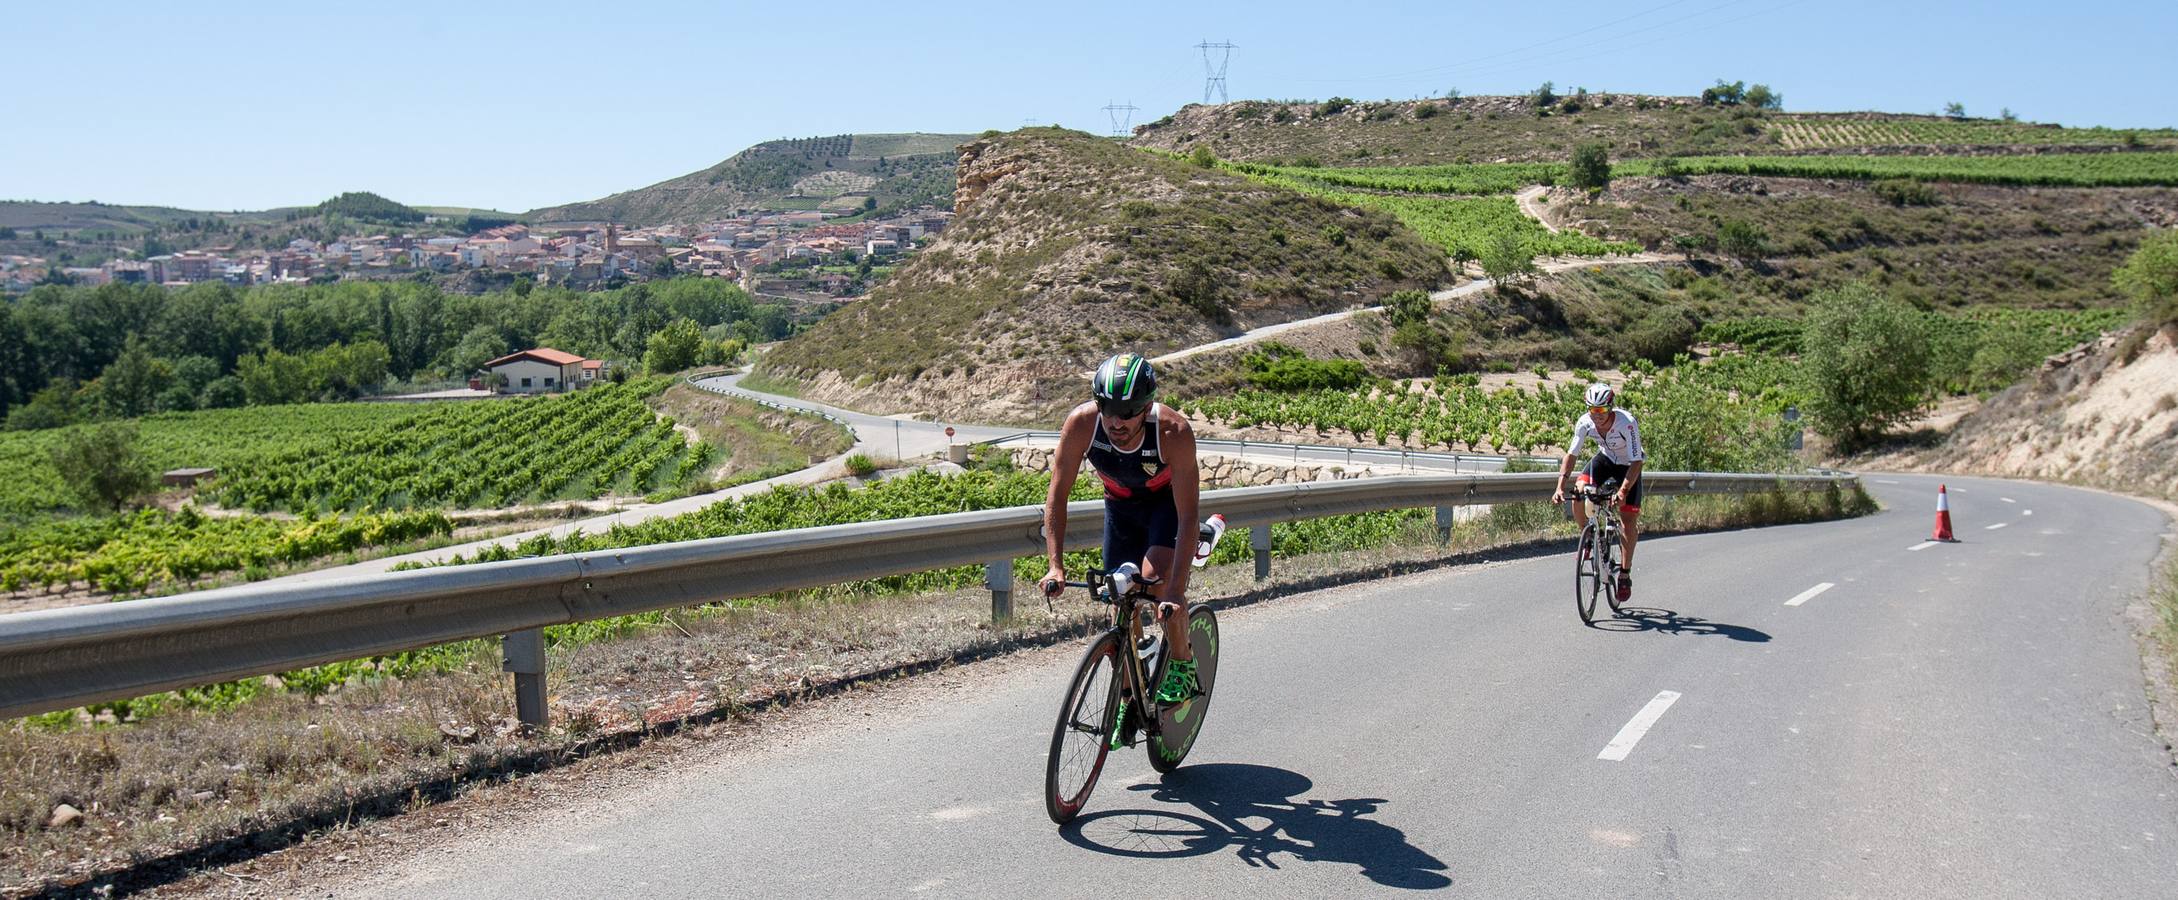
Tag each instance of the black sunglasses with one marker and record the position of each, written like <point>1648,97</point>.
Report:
<point>1123,409</point>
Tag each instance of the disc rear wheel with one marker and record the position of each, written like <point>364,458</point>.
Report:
<point>1180,724</point>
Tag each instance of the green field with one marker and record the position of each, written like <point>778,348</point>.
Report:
<point>1720,416</point>
<point>360,475</point>
<point>1462,226</point>
<point>1855,131</point>
<point>2052,169</point>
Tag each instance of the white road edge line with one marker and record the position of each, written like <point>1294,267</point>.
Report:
<point>1995,527</point>
<point>1883,481</point>
<point>1922,545</point>
<point>1630,735</point>
<point>1809,594</point>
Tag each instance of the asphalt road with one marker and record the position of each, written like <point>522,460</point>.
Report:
<point>875,435</point>
<point>1960,720</point>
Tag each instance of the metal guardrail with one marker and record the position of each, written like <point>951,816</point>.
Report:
<point>63,658</point>
<point>1406,460</point>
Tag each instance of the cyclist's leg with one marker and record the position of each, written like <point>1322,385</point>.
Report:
<point>1125,536</point>
<point>1158,560</point>
<point>1580,506</point>
<point>1629,514</point>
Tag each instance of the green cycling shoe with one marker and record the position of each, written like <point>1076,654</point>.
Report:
<point>1179,685</point>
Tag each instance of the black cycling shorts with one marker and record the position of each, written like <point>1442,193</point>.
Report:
<point>1132,527</point>
<point>1601,469</point>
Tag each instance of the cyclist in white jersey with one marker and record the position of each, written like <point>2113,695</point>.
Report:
<point>1619,456</point>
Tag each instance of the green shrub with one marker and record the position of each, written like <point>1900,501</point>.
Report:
<point>2150,277</point>
<point>1905,192</point>
<point>1591,168</point>
<point>1662,334</point>
<point>1333,107</point>
<point>1743,240</point>
<point>101,465</point>
<point>1865,365</point>
<point>861,465</point>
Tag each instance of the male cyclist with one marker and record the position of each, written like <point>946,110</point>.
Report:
<point>1146,455</point>
<point>1618,456</point>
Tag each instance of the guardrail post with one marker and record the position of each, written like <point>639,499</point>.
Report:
<point>998,576</point>
<point>1444,526</point>
<point>1259,539</point>
<point>523,654</point>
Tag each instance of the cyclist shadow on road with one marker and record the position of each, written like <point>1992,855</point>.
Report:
<point>1638,618</point>
<point>1229,795</point>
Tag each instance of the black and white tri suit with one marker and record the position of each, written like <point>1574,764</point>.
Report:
<point>1139,512</point>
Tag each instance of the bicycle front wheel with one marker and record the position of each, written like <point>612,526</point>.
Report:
<point>1082,736</point>
<point>1607,564</point>
<point>1587,575</point>
<point>1180,724</point>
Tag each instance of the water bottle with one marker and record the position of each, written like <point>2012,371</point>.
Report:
<point>1123,579</point>
<point>1207,540</point>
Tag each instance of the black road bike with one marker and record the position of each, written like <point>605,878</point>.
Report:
<point>1595,561</point>
<point>1112,701</point>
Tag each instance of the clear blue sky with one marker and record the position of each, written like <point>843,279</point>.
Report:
<point>515,106</point>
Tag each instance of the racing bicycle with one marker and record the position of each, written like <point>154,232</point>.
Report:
<point>1112,700</point>
<point>1595,569</point>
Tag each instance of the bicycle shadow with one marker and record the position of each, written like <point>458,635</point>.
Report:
<point>1229,794</point>
<point>1664,621</point>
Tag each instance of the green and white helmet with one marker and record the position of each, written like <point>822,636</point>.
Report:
<point>1124,386</point>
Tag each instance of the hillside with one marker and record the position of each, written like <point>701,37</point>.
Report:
<point>894,169</point>
<point>1509,129</point>
<point>1066,248</point>
<point>2104,415</point>
<point>25,215</point>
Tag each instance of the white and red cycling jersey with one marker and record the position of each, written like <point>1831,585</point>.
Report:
<point>1621,443</point>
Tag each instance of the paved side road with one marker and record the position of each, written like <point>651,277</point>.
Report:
<point>1817,710</point>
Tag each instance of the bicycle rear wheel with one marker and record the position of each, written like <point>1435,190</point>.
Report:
<point>1082,737</point>
<point>1178,725</point>
<point>1587,576</point>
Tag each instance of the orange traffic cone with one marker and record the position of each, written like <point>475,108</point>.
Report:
<point>1943,516</point>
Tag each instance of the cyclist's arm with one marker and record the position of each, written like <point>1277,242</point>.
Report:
<point>1640,457</point>
<point>1065,465</point>
<point>1565,466</point>
<point>1177,439</point>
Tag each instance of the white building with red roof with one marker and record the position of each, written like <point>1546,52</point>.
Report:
<point>538,371</point>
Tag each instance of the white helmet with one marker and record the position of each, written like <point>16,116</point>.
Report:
<point>1600,394</point>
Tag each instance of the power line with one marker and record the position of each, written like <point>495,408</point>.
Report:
<point>1121,128</point>
<point>1214,79</point>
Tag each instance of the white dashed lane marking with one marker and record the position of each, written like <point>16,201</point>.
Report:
<point>1995,527</point>
<point>2007,499</point>
<point>1809,594</point>
<point>1642,721</point>
<point>1922,545</point>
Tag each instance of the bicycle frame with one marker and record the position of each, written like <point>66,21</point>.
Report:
<point>1134,678</point>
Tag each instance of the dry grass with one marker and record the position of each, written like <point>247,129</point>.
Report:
<point>186,790</point>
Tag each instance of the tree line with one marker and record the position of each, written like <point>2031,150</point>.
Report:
<point>73,353</point>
